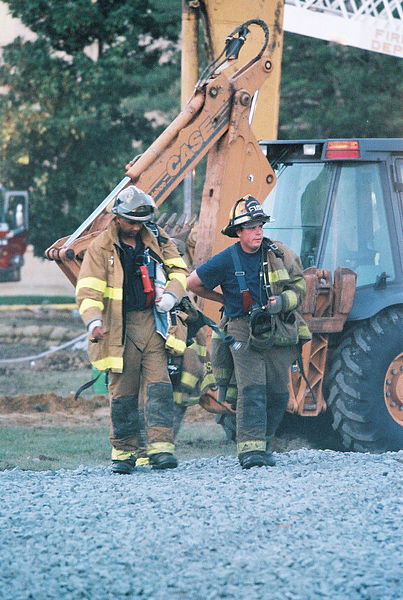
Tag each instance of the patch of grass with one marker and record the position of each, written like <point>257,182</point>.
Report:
<point>53,448</point>
<point>12,300</point>
<point>44,448</point>
<point>25,380</point>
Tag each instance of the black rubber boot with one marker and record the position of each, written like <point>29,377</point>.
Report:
<point>256,458</point>
<point>163,460</point>
<point>124,467</point>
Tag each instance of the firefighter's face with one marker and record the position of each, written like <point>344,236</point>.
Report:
<point>129,228</point>
<point>251,237</point>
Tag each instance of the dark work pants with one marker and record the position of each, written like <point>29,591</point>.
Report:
<point>262,380</point>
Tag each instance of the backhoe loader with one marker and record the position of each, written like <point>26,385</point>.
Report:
<point>216,121</point>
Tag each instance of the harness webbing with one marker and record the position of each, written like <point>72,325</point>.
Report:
<point>247,300</point>
<point>240,275</point>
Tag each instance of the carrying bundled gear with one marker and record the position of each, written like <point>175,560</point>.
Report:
<point>223,369</point>
<point>261,328</point>
<point>197,379</point>
<point>196,320</point>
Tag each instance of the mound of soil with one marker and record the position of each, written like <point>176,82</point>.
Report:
<point>53,409</point>
<point>51,403</point>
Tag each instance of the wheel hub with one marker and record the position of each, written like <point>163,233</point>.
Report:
<point>393,389</point>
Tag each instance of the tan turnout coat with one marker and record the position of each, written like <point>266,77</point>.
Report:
<point>99,290</point>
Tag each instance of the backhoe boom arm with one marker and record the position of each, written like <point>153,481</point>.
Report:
<point>215,118</point>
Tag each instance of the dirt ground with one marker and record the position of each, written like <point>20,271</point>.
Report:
<point>51,409</point>
<point>52,377</point>
<point>41,392</point>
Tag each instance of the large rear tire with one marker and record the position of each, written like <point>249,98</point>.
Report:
<point>365,384</point>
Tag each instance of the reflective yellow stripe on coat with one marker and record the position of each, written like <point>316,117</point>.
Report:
<point>109,362</point>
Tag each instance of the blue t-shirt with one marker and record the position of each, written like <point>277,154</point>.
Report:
<point>220,271</point>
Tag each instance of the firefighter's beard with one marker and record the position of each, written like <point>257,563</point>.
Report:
<point>129,231</point>
<point>131,234</point>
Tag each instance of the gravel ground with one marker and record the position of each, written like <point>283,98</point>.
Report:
<point>321,524</point>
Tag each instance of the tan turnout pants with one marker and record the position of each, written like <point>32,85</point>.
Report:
<point>145,377</point>
<point>262,380</point>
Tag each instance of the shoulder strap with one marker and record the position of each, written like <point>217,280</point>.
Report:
<point>270,245</point>
<point>265,267</point>
<point>240,275</point>
<point>154,230</point>
<point>247,300</point>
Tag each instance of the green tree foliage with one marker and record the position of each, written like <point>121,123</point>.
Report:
<point>69,123</point>
<point>329,90</point>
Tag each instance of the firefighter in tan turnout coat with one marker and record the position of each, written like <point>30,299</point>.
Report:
<point>132,276</point>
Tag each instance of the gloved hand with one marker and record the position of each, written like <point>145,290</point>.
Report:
<point>166,303</point>
<point>275,305</point>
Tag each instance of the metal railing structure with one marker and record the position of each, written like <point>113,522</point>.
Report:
<point>375,25</point>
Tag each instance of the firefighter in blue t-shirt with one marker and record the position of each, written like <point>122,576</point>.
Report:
<point>262,285</point>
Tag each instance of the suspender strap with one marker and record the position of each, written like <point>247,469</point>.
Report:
<point>240,275</point>
<point>247,299</point>
<point>265,267</point>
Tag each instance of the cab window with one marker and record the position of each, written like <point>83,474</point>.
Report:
<point>298,204</point>
<point>358,236</point>
<point>333,214</point>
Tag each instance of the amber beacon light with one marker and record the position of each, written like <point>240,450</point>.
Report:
<point>343,149</point>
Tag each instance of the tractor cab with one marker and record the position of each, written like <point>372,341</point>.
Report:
<point>337,203</point>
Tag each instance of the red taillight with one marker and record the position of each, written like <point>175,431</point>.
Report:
<point>343,149</point>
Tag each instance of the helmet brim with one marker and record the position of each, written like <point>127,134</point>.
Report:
<point>135,218</point>
<point>230,230</point>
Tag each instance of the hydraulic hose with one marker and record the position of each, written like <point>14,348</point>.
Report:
<point>232,47</point>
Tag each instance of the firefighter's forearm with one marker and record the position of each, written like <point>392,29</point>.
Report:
<point>210,294</point>
<point>195,285</point>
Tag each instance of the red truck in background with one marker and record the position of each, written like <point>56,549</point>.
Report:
<point>13,233</point>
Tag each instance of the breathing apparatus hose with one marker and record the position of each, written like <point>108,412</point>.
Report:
<point>229,340</point>
<point>197,319</point>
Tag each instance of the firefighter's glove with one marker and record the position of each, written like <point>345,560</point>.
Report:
<point>166,303</point>
<point>275,305</point>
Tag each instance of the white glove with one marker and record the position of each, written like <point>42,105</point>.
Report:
<point>166,303</point>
